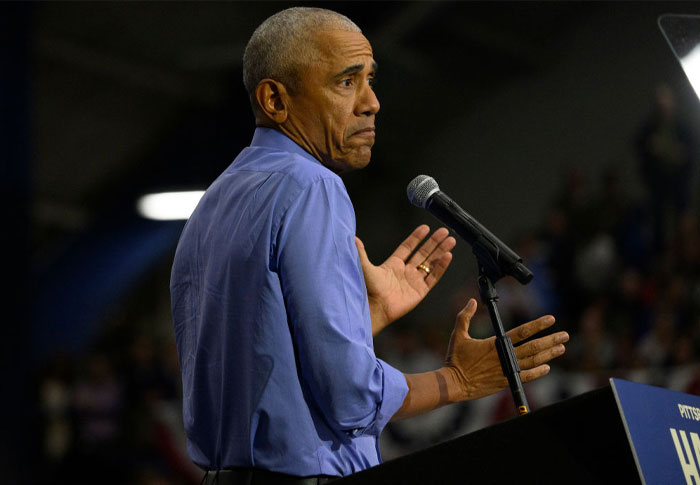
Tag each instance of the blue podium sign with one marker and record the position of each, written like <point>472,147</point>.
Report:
<point>664,431</point>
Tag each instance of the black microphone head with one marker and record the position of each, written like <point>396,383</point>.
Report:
<point>420,189</point>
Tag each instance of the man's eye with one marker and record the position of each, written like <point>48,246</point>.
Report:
<point>372,81</point>
<point>346,82</point>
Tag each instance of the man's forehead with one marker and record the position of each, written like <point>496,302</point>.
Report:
<point>342,43</point>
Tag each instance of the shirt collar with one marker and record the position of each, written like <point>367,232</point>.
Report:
<point>271,138</point>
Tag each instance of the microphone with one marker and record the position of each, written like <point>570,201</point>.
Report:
<point>494,256</point>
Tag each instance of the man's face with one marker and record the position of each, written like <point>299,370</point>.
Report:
<point>332,115</point>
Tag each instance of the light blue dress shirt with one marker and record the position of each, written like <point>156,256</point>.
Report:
<point>272,321</point>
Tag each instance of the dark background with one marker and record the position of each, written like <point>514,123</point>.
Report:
<point>503,103</point>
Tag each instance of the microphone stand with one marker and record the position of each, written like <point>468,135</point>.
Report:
<point>489,273</point>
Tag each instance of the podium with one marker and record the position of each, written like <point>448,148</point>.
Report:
<point>624,433</point>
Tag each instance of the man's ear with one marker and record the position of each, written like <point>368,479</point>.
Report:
<point>273,100</point>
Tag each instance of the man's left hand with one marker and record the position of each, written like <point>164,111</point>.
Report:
<point>403,280</point>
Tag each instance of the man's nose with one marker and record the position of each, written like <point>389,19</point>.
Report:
<point>367,103</point>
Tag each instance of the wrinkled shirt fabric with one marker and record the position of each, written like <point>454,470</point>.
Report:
<point>272,321</point>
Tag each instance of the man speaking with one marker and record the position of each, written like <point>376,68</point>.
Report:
<point>274,300</point>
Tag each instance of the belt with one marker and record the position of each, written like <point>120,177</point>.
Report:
<point>255,476</point>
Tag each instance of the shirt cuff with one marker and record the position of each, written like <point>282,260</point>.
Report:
<point>393,393</point>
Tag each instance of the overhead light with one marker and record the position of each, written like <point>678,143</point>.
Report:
<point>168,206</point>
<point>691,66</point>
<point>682,33</point>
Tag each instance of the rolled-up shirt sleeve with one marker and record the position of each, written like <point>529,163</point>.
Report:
<point>328,313</point>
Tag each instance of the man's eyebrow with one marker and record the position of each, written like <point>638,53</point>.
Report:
<point>356,68</point>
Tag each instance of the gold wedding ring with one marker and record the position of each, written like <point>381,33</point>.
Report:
<point>424,268</point>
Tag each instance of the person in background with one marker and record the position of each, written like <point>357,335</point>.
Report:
<point>666,150</point>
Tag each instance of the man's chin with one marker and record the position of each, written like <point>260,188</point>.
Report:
<point>362,157</point>
<point>356,161</point>
<point>359,163</point>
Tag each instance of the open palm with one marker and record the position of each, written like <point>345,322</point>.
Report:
<point>396,286</point>
<point>476,361</point>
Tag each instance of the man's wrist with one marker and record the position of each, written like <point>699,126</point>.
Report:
<point>377,316</point>
<point>454,380</point>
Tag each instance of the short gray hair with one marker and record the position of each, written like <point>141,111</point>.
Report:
<point>284,43</point>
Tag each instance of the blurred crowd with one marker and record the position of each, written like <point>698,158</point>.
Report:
<point>621,274</point>
<point>116,415</point>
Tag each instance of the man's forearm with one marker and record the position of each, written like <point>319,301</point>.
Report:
<point>428,391</point>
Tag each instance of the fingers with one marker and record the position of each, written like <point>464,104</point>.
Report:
<point>527,330</point>
<point>541,357</point>
<point>437,269</point>
<point>411,243</point>
<point>433,249</point>
<point>532,374</point>
<point>533,355</point>
<point>464,317</point>
<point>537,352</point>
<point>433,252</point>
